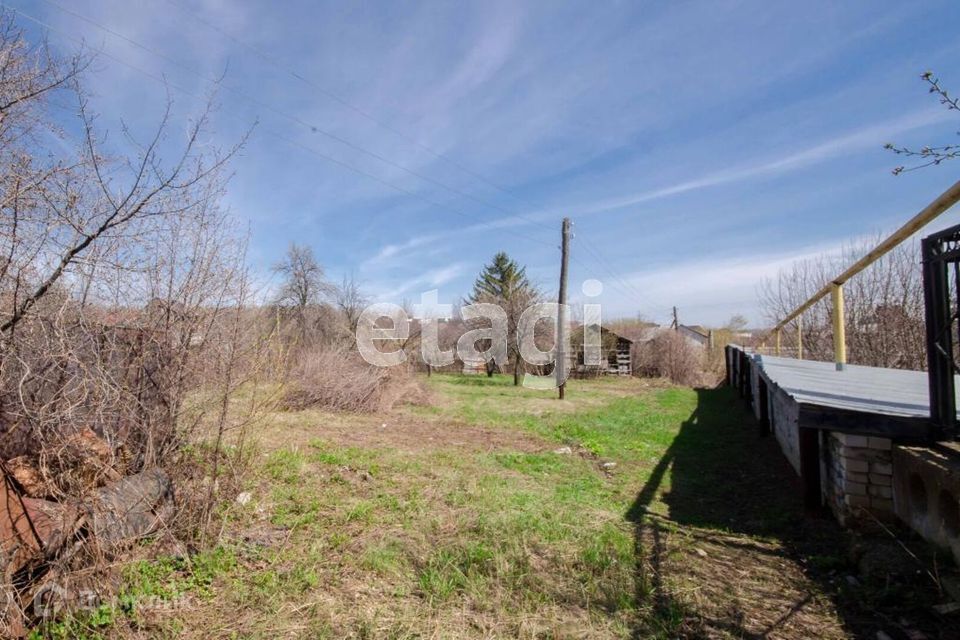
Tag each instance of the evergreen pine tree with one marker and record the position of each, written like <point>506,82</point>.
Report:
<point>504,282</point>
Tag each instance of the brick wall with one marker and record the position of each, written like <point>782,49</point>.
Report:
<point>858,473</point>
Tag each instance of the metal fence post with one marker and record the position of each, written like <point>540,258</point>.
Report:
<point>800,337</point>
<point>940,363</point>
<point>943,202</point>
<point>839,328</point>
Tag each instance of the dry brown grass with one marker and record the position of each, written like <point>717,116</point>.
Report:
<point>338,379</point>
<point>466,520</point>
<point>708,584</point>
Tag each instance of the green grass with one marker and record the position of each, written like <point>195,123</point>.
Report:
<point>146,585</point>
<point>449,543</point>
<point>285,466</point>
<point>608,424</point>
<point>455,569</point>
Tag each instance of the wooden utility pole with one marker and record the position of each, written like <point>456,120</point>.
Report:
<point>561,312</point>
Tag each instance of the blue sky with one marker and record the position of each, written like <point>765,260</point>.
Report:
<point>697,146</point>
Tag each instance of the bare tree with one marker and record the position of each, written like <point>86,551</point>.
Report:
<point>930,156</point>
<point>123,288</point>
<point>883,304</point>
<point>304,286</point>
<point>351,301</point>
<point>737,322</point>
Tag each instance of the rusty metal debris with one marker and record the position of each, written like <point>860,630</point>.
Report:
<point>34,532</point>
<point>28,476</point>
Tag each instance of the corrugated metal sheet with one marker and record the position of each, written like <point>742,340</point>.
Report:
<point>870,389</point>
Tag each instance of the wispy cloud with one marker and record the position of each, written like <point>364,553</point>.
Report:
<point>872,136</point>
<point>860,139</point>
<point>430,279</point>
<point>389,251</point>
<point>630,120</point>
<point>706,290</point>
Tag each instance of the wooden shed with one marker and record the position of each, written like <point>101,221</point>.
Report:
<point>615,354</point>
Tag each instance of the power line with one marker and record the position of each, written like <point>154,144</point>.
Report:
<point>278,64</point>
<point>622,285</point>
<point>279,136</point>
<point>275,62</point>
<point>585,243</point>
<point>293,118</point>
<point>589,270</point>
<point>625,287</point>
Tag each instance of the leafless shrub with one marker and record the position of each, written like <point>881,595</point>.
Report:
<point>351,302</point>
<point>338,378</point>
<point>125,304</point>
<point>670,355</point>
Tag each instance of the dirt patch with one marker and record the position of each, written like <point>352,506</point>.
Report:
<point>393,431</point>
<point>708,584</point>
<point>405,434</point>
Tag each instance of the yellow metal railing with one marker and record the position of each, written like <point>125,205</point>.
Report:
<point>835,287</point>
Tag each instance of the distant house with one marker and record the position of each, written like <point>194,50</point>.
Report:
<point>615,354</point>
<point>697,334</point>
<point>474,366</point>
<point>638,332</point>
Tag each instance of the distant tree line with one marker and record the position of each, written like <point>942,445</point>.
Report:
<point>883,306</point>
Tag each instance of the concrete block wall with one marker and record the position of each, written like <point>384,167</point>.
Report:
<point>856,470</point>
<point>926,493</point>
<point>857,475</point>
<point>755,390</point>
<point>784,418</point>
<point>920,485</point>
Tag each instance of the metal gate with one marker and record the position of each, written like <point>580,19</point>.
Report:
<point>941,293</point>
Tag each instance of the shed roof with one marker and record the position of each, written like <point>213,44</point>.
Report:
<point>893,392</point>
<point>605,330</point>
<point>696,328</point>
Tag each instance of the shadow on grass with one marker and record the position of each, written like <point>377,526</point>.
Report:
<point>726,485</point>
<point>723,474</point>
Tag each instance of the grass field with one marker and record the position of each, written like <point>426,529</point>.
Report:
<point>632,509</point>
